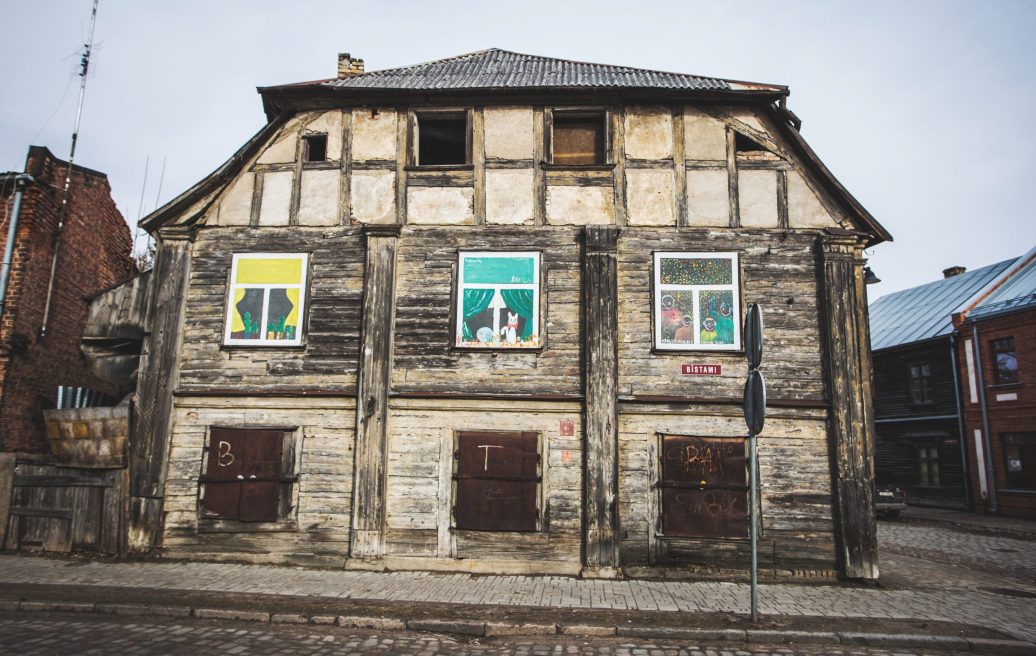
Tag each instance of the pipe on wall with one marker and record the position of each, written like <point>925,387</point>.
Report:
<point>988,456</point>
<point>21,181</point>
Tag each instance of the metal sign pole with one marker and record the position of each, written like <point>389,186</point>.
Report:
<point>755,415</point>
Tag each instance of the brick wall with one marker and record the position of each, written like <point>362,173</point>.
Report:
<point>94,253</point>
<point>1006,415</point>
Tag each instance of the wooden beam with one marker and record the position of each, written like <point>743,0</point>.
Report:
<point>600,334</point>
<point>478,159</point>
<point>847,370</point>
<point>679,168</point>
<point>735,210</point>
<point>369,480</point>
<point>345,190</point>
<point>539,176</point>
<point>618,153</point>
<point>782,199</point>
<point>159,371</point>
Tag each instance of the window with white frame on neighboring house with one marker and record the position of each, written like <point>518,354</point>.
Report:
<point>920,383</point>
<point>697,301</point>
<point>928,465</point>
<point>1020,460</point>
<point>498,299</point>
<point>1005,362</point>
<point>267,298</point>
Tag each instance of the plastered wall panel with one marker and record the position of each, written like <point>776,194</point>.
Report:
<point>649,134</point>
<point>568,205</point>
<point>373,196</point>
<point>276,201</point>
<point>757,198</point>
<point>509,196</point>
<point>509,133</point>
<point>235,208</point>
<point>440,205</point>
<point>374,137</point>
<point>649,197</point>
<point>705,138</point>
<point>318,201</point>
<point>804,208</point>
<point>708,199</point>
<point>281,149</point>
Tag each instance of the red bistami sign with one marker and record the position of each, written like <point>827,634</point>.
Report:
<point>701,369</point>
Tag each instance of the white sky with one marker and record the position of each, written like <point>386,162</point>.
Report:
<point>920,108</point>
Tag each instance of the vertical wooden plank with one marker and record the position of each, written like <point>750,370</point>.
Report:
<point>654,515</point>
<point>111,513</point>
<point>372,392</point>
<point>478,159</point>
<point>345,203</point>
<point>735,210</point>
<point>852,424</point>
<point>600,308</point>
<point>7,462</point>
<point>539,137</point>
<point>679,168</point>
<point>296,180</point>
<point>618,149</point>
<point>257,198</point>
<point>782,199</point>
<point>404,140</point>
<point>444,545</point>
<point>159,372</point>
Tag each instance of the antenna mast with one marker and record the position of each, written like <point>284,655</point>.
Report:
<point>84,69</point>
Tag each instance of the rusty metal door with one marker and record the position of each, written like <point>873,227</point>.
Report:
<point>497,481</point>
<point>260,490</point>
<point>243,475</point>
<point>704,487</point>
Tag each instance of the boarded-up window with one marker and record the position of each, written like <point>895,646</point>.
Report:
<point>704,487</point>
<point>243,475</point>
<point>497,481</point>
<point>578,138</point>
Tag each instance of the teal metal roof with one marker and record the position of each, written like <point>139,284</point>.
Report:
<point>921,313</point>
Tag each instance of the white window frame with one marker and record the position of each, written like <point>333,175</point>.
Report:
<point>233,287</point>
<point>734,287</point>
<point>461,286</point>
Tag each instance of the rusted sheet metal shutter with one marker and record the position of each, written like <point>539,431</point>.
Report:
<point>704,486</point>
<point>243,476</point>
<point>497,482</point>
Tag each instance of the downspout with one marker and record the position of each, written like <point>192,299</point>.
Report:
<point>21,181</point>
<point>988,464</point>
<point>960,422</point>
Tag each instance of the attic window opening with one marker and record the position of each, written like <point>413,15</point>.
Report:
<point>745,144</point>
<point>578,138</point>
<point>442,139</point>
<point>315,149</point>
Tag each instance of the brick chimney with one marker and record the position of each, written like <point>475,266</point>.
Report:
<point>347,66</point>
<point>953,271</point>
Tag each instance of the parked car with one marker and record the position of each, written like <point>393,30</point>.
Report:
<point>889,497</point>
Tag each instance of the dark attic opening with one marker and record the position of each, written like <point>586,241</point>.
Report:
<point>745,144</point>
<point>315,147</point>
<point>442,139</point>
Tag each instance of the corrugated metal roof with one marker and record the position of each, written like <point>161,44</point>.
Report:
<point>502,69</point>
<point>921,313</point>
<point>1018,291</point>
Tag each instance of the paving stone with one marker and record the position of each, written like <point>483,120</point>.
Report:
<point>288,618</point>
<point>448,626</point>
<point>587,630</point>
<point>363,622</point>
<point>503,629</point>
<point>813,637</point>
<point>682,634</point>
<point>990,646</point>
<point>901,640</point>
<point>322,619</point>
<point>143,610</point>
<point>241,615</point>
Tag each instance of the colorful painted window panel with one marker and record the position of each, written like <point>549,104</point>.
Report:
<point>267,297</point>
<point>498,300</point>
<point>697,301</point>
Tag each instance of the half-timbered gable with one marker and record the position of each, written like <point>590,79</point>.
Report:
<point>485,313</point>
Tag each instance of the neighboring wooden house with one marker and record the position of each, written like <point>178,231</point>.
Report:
<point>484,314</point>
<point>917,405</point>
<point>997,360</point>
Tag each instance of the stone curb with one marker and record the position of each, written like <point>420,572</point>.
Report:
<point>469,628</point>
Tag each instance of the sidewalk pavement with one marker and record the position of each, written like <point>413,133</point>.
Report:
<point>488,605</point>
<point>1020,529</point>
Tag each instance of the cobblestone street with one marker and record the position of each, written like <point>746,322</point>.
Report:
<point>929,572</point>
<point>61,634</point>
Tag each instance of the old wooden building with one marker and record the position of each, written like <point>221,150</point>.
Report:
<point>484,314</point>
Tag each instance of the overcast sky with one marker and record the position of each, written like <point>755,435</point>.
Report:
<point>923,109</point>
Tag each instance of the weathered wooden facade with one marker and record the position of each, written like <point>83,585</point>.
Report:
<point>478,284</point>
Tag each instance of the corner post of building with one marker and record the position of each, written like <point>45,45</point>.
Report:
<point>367,541</point>
<point>848,380</point>
<point>156,379</point>
<point>600,424</point>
